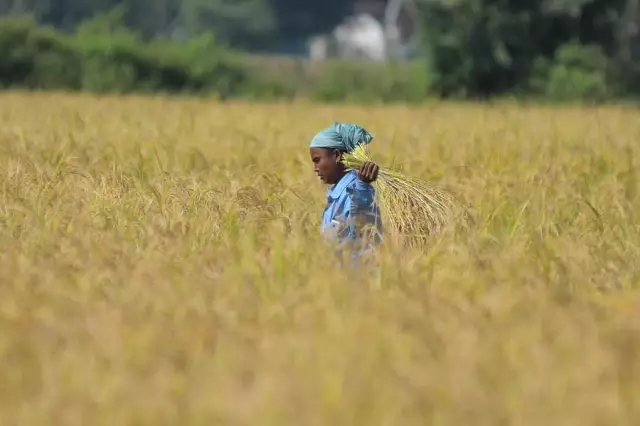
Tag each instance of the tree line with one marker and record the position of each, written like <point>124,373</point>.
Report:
<point>558,49</point>
<point>243,24</point>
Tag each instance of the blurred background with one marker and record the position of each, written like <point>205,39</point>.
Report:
<point>330,50</point>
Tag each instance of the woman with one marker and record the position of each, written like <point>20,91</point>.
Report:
<point>351,216</point>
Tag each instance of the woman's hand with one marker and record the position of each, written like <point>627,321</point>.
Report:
<point>368,172</point>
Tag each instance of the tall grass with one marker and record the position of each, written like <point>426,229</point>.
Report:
<point>160,263</point>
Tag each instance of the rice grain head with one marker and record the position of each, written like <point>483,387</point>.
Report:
<point>413,210</point>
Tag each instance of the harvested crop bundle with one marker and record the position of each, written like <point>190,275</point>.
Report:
<point>413,209</point>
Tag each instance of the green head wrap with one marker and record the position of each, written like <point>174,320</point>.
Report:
<point>342,136</point>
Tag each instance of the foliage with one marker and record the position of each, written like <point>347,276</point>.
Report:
<point>559,50</point>
<point>474,48</point>
<point>36,57</point>
<point>576,73</point>
<point>488,47</point>
<point>103,56</point>
<point>240,23</point>
<point>365,82</point>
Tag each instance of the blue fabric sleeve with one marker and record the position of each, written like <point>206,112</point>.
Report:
<point>361,205</point>
<point>362,197</point>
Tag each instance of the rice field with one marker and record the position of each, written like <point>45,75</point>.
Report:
<point>161,264</point>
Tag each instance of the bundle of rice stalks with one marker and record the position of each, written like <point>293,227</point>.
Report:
<point>412,209</point>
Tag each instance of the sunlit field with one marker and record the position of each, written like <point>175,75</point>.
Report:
<point>161,263</point>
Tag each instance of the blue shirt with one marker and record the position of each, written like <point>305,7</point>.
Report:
<point>348,200</point>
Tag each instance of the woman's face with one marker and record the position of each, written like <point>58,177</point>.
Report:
<point>327,164</point>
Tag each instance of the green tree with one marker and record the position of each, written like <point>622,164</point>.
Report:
<point>239,23</point>
<point>482,47</point>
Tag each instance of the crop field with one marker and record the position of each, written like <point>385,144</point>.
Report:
<point>161,264</point>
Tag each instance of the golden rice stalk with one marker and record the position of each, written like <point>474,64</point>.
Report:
<point>413,209</point>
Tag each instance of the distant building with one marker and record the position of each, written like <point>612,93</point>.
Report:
<point>378,30</point>
<point>361,37</point>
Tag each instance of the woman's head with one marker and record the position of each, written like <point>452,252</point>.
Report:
<point>327,147</point>
<point>327,164</point>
